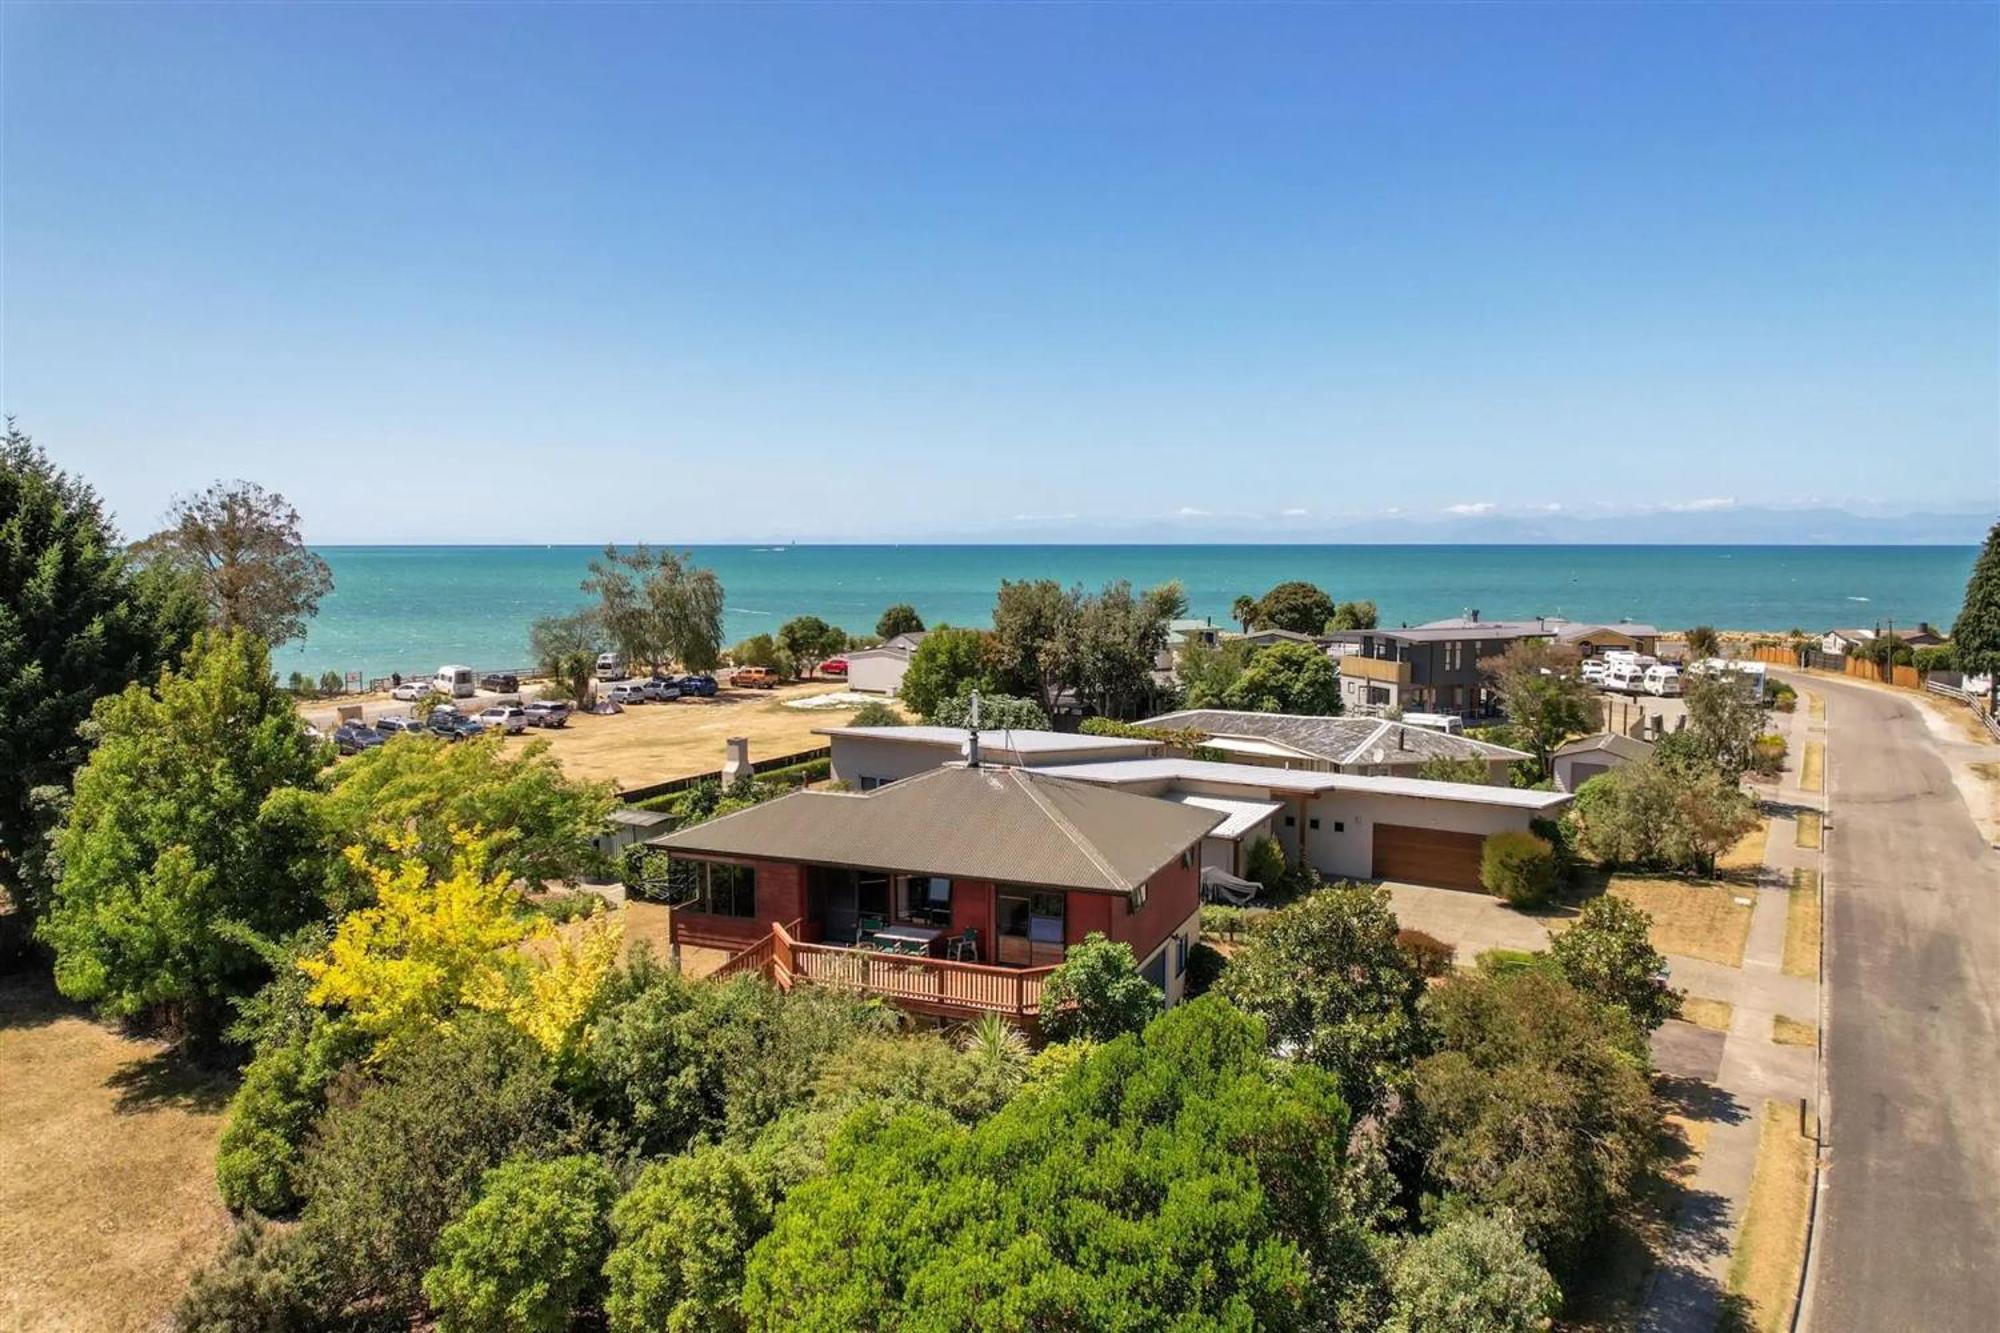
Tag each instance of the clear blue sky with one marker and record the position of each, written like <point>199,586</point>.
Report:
<point>454,272</point>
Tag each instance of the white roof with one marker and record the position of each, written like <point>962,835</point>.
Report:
<point>1245,745</point>
<point>1119,771</point>
<point>1242,816</point>
<point>1024,741</point>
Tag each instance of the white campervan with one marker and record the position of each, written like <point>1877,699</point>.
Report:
<point>454,682</point>
<point>1624,677</point>
<point>1663,680</point>
<point>610,666</point>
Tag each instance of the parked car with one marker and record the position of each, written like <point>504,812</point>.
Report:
<point>452,724</point>
<point>396,726</point>
<point>509,718</point>
<point>610,666</point>
<point>501,682</point>
<point>834,666</point>
<point>626,693</point>
<point>697,686</point>
<point>411,690</point>
<point>1593,671</point>
<point>547,713</point>
<point>1663,680</point>
<point>754,678</point>
<point>453,682</point>
<point>354,737</point>
<point>661,688</point>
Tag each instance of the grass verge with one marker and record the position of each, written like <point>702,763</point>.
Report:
<point>1791,1032</point>
<point>1809,828</point>
<point>1802,925</point>
<point>1812,769</point>
<point>1695,918</point>
<point>1706,1013</point>
<point>1815,707</point>
<point>1764,1266</point>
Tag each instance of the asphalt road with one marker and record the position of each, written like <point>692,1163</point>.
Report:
<point>1909,1227</point>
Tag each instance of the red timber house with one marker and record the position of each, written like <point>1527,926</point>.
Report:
<point>952,893</point>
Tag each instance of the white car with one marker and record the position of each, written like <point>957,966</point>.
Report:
<point>411,690</point>
<point>1593,671</point>
<point>626,694</point>
<point>509,718</point>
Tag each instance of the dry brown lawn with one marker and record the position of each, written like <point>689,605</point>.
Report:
<point>107,1169</point>
<point>1802,924</point>
<point>1815,707</point>
<point>658,742</point>
<point>1791,1032</point>
<point>1706,1013</point>
<point>1747,856</point>
<point>1764,1267</point>
<point>1812,769</point>
<point>1809,828</point>
<point>1695,918</point>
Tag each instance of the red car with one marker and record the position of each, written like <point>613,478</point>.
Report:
<point>834,667</point>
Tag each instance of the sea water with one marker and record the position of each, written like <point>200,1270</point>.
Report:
<point>412,608</point>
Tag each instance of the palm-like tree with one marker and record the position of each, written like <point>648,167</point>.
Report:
<point>1243,610</point>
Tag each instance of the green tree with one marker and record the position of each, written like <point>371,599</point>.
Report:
<point>1445,768</point>
<point>1097,993</point>
<point>167,883</point>
<point>1975,637</point>
<point>902,618</point>
<point>761,650</point>
<point>1671,815</point>
<point>77,624</point>
<point>1703,642</point>
<point>1723,723</point>
<point>1609,953</point>
<point>948,663</point>
<point>1287,678</point>
<point>1244,611</point>
<point>1214,1167</point>
<point>566,649</point>
<point>1297,606</point>
<point>1353,615</point>
<point>528,1253</point>
<point>996,712</point>
<point>408,797</point>
<point>658,607</point>
<point>1207,674</point>
<point>1474,1274</point>
<point>1331,986</point>
<point>1036,625</point>
<point>1545,700</point>
<point>244,549</point>
<point>808,640</point>
<point>684,1232</point>
<point>1537,1101</point>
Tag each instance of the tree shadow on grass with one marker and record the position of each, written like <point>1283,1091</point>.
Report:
<point>170,1080</point>
<point>29,999</point>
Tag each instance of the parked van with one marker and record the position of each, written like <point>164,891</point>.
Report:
<point>610,666</point>
<point>1449,723</point>
<point>454,682</point>
<point>1624,678</point>
<point>1664,681</point>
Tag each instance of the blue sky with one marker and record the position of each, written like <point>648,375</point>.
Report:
<point>447,273</point>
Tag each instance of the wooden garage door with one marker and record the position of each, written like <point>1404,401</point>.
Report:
<point>1428,856</point>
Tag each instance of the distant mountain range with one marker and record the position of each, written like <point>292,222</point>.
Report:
<point>1720,526</point>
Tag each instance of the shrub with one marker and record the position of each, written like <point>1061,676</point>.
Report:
<point>331,683</point>
<point>1223,922</point>
<point>399,1155</point>
<point>1474,1274</point>
<point>1266,865</point>
<point>682,1235</point>
<point>996,712</point>
<point>1429,955</point>
<point>261,1146</point>
<point>1939,657</point>
<point>266,1278</point>
<point>1519,867</point>
<point>1609,953</point>
<point>528,1251</point>
<point>876,713</point>
<point>1097,993</point>
<point>1205,966</point>
<point>1767,755</point>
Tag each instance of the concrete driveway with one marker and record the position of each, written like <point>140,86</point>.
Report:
<point>1472,922</point>
<point>1908,1232</point>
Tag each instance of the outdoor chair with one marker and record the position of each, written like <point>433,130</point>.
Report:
<point>964,949</point>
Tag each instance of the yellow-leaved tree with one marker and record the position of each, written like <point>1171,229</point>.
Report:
<point>435,946</point>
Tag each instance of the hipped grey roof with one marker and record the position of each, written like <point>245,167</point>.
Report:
<point>1609,742</point>
<point>1001,824</point>
<point>1338,740</point>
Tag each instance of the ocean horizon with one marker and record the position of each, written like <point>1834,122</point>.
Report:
<point>410,608</point>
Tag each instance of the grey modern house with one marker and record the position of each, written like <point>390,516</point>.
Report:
<point>1434,667</point>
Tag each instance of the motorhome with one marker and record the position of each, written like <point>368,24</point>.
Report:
<point>454,682</point>
<point>1663,681</point>
<point>1451,724</point>
<point>1624,678</point>
<point>610,666</point>
<point>1751,676</point>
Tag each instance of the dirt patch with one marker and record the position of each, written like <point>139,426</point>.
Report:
<point>1791,1032</point>
<point>658,742</point>
<point>107,1197</point>
<point>1802,924</point>
<point>1770,1246</point>
<point>1706,1013</point>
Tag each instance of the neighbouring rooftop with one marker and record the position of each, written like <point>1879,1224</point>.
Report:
<point>1119,772</point>
<point>1338,740</point>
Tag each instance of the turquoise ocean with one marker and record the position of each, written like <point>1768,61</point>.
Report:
<point>411,608</point>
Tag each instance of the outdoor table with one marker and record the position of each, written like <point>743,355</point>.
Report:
<point>917,939</point>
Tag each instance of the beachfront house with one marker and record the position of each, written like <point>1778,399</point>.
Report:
<point>1334,744</point>
<point>952,893</point>
<point>1434,667</point>
<point>880,670</point>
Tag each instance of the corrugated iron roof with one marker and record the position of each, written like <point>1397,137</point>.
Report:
<point>1338,740</point>
<point>1009,825</point>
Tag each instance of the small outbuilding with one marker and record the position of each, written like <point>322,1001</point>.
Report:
<point>1581,760</point>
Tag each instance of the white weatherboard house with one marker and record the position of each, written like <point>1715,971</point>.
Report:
<point>880,670</point>
<point>1347,825</point>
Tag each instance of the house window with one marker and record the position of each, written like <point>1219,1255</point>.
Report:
<point>719,888</point>
<point>1312,823</point>
<point>1339,826</point>
<point>867,783</point>
<point>1454,655</point>
<point>1138,895</point>
<point>1290,822</point>
<point>1030,926</point>
<point>1180,955</point>
<point>926,899</point>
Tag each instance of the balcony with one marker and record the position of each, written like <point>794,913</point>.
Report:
<point>921,984</point>
<point>1356,667</point>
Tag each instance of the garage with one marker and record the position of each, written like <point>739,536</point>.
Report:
<point>1428,856</point>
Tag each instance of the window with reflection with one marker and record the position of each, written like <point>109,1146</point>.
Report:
<point>1030,927</point>
<point>926,900</point>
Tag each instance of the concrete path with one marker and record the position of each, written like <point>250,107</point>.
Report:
<point>1908,1232</point>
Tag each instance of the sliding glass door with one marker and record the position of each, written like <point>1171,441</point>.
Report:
<point>1030,927</point>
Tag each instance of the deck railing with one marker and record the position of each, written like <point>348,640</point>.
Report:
<point>930,985</point>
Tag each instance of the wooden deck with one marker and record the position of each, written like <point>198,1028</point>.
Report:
<point>923,985</point>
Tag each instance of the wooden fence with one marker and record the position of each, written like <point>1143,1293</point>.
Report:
<point>1812,659</point>
<point>672,785</point>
